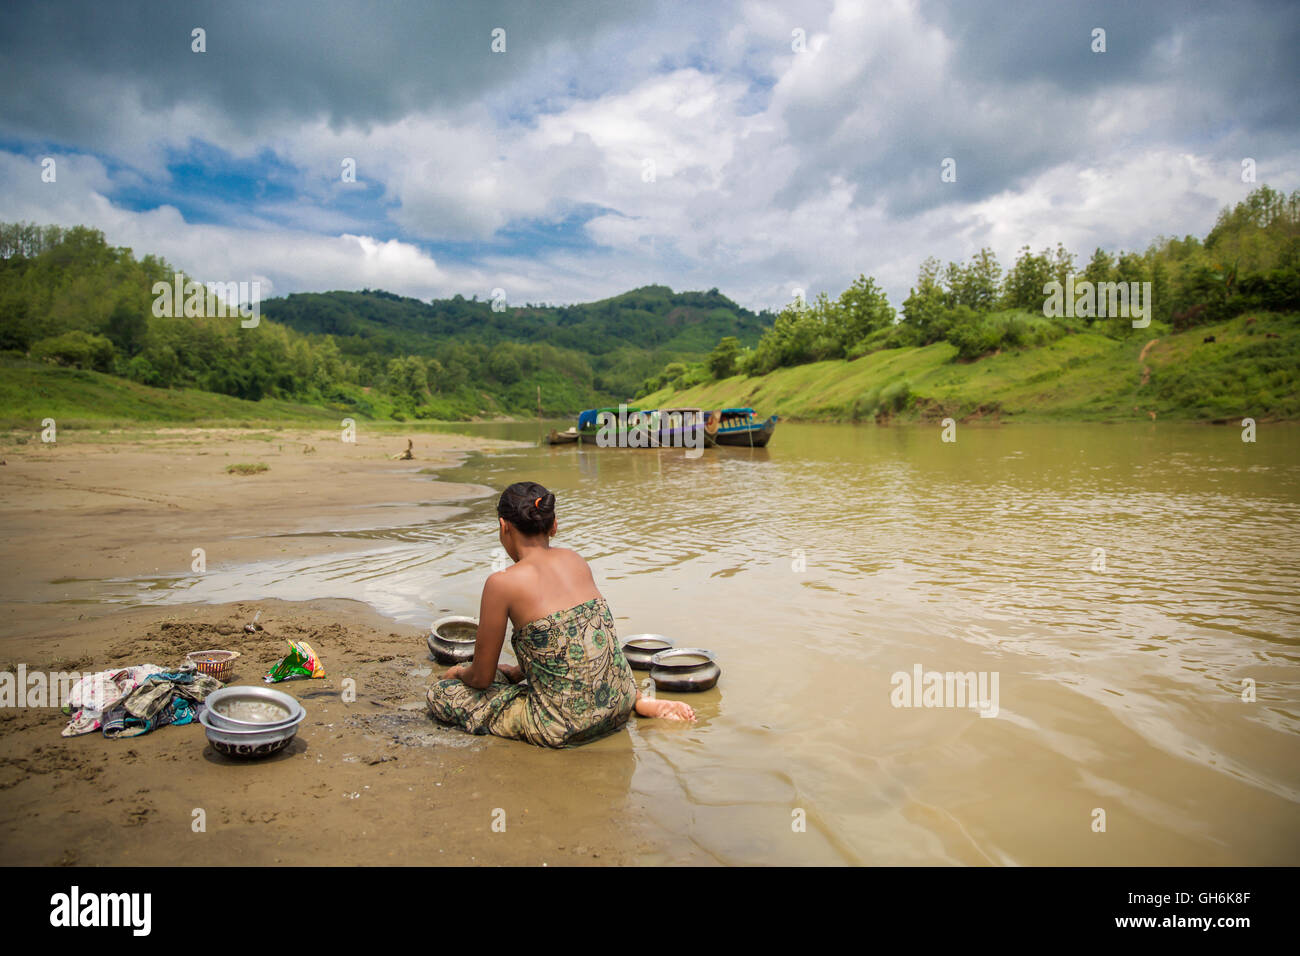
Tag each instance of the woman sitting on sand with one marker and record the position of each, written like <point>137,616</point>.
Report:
<point>580,686</point>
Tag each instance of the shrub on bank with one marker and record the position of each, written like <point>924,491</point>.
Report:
<point>76,349</point>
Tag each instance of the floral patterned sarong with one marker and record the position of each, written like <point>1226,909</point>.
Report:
<point>578,684</point>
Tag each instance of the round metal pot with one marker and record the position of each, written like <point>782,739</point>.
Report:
<point>252,708</point>
<point>639,648</point>
<point>248,743</point>
<point>452,639</point>
<point>684,669</point>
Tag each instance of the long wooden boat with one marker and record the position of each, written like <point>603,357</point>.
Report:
<point>739,427</point>
<point>648,428</point>
<point>589,426</point>
<point>682,428</point>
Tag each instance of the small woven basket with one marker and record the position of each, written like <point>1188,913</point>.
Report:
<point>218,664</point>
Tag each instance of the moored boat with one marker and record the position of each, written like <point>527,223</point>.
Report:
<point>568,437</point>
<point>622,418</point>
<point>625,427</point>
<point>738,427</point>
<point>680,428</point>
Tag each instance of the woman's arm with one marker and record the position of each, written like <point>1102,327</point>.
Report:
<point>493,614</point>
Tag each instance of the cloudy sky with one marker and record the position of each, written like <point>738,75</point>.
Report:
<point>754,146</point>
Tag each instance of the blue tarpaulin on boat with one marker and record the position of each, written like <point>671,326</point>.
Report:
<point>588,417</point>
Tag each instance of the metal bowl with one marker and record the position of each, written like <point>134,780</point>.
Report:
<point>248,743</point>
<point>684,669</point>
<point>639,648</point>
<point>253,708</point>
<point>452,639</point>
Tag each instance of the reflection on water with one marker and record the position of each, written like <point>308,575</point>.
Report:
<point>1123,582</point>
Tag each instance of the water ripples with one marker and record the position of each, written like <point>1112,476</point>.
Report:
<point>1125,582</point>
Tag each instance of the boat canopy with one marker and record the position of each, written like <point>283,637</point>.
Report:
<point>736,411</point>
<point>588,417</point>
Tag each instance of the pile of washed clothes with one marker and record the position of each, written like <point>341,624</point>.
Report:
<point>131,701</point>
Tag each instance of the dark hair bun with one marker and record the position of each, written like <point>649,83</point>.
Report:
<point>528,506</point>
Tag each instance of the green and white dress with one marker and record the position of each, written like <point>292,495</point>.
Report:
<point>578,684</point>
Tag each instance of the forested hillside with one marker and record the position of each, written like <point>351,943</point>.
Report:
<point>964,316</point>
<point>69,299</point>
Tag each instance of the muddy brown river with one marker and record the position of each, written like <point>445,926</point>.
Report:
<point>1038,644</point>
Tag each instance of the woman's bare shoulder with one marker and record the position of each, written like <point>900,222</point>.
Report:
<point>572,558</point>
<point>512,581</point>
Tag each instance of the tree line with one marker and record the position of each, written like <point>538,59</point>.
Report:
<point>1249,261</point>
<point>69,298</point>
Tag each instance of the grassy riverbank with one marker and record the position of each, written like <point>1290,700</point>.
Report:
<point>1252,368</point>
<point>33,391</point>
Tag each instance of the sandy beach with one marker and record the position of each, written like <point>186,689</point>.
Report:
<point>365,782</point>
<point>98,505</point>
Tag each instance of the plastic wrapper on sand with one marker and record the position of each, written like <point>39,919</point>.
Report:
<point>300,662</point>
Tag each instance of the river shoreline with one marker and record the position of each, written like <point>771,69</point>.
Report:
<point>1097,572</point>
<point>372,781</point>
<point>369,781</point>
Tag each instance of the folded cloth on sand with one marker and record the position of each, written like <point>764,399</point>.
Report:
<point>95,694</point>
<point>119,722</point>
<point>149,699</point>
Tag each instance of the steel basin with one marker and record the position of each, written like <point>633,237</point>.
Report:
<point>685,669</point>
<point>252,708</point>
<point>249,743</point>
<point>640,648</point>
<point>452,639</point>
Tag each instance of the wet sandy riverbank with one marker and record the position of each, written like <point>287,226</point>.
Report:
<point>1126,586</point>
<point>374,781</point>
<point>133,504</point>
<point>370,781</point>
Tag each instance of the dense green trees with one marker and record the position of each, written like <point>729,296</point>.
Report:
<point>825,329</point>
<point>722,360</point>
<point>69,298</point>
<point>1250,260</point>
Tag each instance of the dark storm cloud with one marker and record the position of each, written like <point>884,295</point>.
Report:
<point>1014,98</point>
<point>1227,46</point>
<point>267,62</point>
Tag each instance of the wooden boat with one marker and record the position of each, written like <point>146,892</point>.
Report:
<point>682,428</point>
<point>646,428</point>
<point>589,424</point>
<point>738,427</point>
<point>569,437</point>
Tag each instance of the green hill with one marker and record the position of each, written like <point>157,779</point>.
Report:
<point>1045,339</point>
<point>1251,369</point>
<point>33,391</point>
<point>72,301</point>
<point>652,317</point>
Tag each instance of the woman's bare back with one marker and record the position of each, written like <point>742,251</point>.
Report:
<point>545,581</point>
